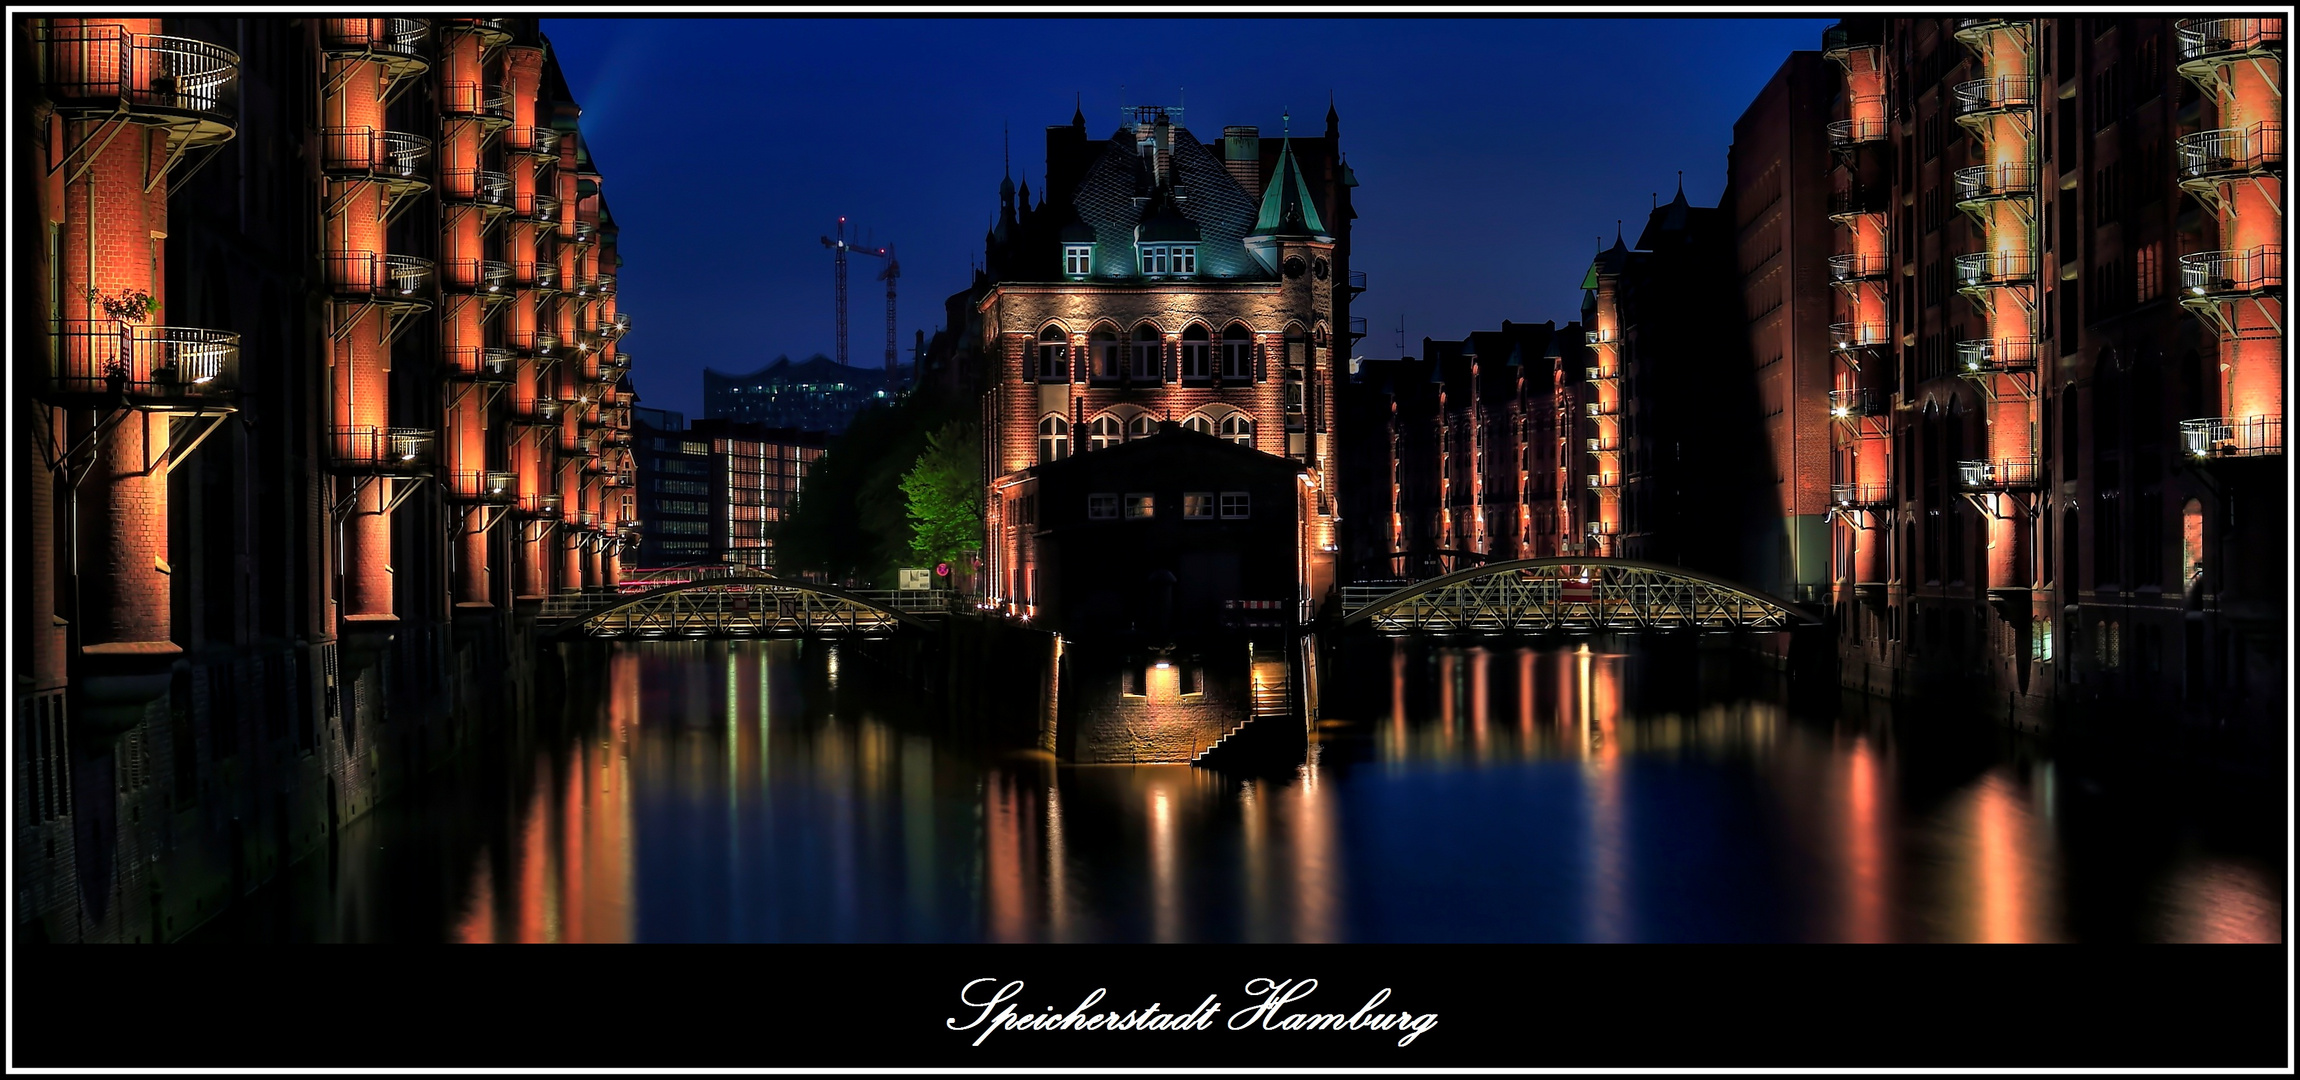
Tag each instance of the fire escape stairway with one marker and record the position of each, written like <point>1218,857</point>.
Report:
<point>1273,696</point>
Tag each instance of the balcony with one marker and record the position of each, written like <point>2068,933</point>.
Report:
<point>484,488</point>
<point>395,158</point>
<point>1982,98</point>
<point>2224,276</point>
<point>476,101</point>
<point>540,505</point>
<point>1845,337</point>
<point>1856,131</point>
<point>1996,356</point>
<point>1999,476</point>
<point>155,368</point>
<point>1857,268</point>
<point>617,326</point>
<point>544,343</point>
<point>1975,28</point>
<point>538,141</point>
<point>2225,41</point>
<point>1995,269</point>
<point>1357,282</point>
<point>1604,444</point>
<point>541,412</point>
<point>1604,528</point>
<point>587,520</point>
<point>189,87</point>
<point>1980,184</point>
<point>1861,494</point>
<point>1357,329</point>
<point>1597,337</point>
<point>605,285</point>
<point>2233,437</point>
<point>492,32</point>
<point>381,451</point>
<point>586,232</point>
<point>400,45</point>
<point>1604,408</point>
<point>484,188</point>
<point>620,478</point>
<point>2212,157</point>
<point>1848,203</point>
<point>1594,373</point>
<point>489,277</point>
<point>1850,36</point>
<point>1846,404</point>
<point>1604,481</point>
<point>487,365</point>
<point>546,276</point>
<point>403,280</point>
<point>546,209</point>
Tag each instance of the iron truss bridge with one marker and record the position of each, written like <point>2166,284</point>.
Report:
<point>725,606</point>
<point>1568,594</point>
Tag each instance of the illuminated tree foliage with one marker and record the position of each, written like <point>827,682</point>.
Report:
<point>944,487</point>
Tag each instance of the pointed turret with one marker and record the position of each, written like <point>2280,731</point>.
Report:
<point>1333,119</point>
<point>1287,209</point>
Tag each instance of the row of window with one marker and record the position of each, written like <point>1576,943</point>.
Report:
<point>1143,357</point>
<point>1196,505</point>
<point>692,528</point>
<point>682,506</point>
<point>1157,259</point>
<point>1105,431</point>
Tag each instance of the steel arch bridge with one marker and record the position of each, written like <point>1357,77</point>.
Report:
<point>1572,593</point>
<point>738,606</point>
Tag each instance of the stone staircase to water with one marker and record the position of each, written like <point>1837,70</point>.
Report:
<point>1273,706</point>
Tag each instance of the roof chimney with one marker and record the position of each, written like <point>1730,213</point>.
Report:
<point>1242,157</point>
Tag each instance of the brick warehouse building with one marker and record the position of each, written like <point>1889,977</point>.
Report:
<point>325,392</point>
<point>2059,452</point>
<point>1165,279</point>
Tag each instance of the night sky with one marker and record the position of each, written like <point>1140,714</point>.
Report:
<point>1492,154</point>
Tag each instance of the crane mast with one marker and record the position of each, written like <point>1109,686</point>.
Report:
<point>840,246</point>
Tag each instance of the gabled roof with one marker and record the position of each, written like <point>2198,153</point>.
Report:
<point>1115,195</point>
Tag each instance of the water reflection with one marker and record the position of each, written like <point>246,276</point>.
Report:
<point>780,792</point>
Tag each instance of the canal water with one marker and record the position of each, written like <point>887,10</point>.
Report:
<point>789,791</point>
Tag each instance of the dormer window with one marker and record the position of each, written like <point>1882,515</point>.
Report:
<point>1161,260</point>
<point>1077,259</point>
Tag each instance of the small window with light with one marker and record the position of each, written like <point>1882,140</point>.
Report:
<point>1102,507</point>
<point>1140,506</point>
<point>1160,260</point>
<point>1198,505</point>
<point>1235,504</point>
<point>1078,259</point>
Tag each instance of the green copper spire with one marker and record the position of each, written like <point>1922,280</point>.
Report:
<point>1287,209</point>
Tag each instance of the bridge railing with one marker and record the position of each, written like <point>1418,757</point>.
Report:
<point>1558,597</point>
<point>738,600</point>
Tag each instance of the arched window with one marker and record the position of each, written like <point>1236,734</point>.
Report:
<point>1053,355</point>
<point>1107,356</point>
<point>1053,438</point>
<point>1197,352</point>
<point>1104,432</point>
<point>1142,426</point>
<point>1237,352</point>
<point>1197,422</point>
<point>1146,354</point>
<point>1239,428</point>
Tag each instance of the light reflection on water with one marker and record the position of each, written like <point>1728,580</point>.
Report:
<point>767,792</point>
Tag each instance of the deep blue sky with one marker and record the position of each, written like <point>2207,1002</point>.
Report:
<point>1491,153</point>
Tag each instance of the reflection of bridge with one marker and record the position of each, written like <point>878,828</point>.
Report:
<point>1568,594</point>
<point>722,605</point>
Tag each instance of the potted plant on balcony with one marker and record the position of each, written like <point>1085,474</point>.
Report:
<point>126,310</point>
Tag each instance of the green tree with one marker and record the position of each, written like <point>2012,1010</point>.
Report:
<point>944,491</point>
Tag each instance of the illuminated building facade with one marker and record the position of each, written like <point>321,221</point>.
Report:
<point>2058,394</point>
<point>716,492</point>
<point>323,378</point>
<point>1161,278</point>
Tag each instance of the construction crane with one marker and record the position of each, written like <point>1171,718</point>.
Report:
<point>840,246</point>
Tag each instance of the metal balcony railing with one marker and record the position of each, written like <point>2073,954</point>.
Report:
<point>1604,444</point>
<point>605,286</point>
<point>1857,402</point>
<point>1604,528</point>
<point>539,411</point>
<point>1597,337</point>
<point>2231,152</point>
<point>1854,131</point>
<point>405,39</point>
<point>381,450</point>
<point>1986,269</point>
<point>481,364</point>
<point>541,504</point>
<point>1357,282</point>
<point>1856,267</point>
<point>1847,335</point>
<point>620,478</point>
<point>531,139</point>
<point>1850,36</point>
<point>476,100</point>
<point>1999,475</point>
<point>545,343</point>
<point>1853,202</point>
<point>2214,275</point>
<point>1996,356</point>
<point>2003,93</point>
<point>383,278</point>
<point>2002,180</point>
<point>367,153</point>
<point>586,519</point>
<point>1603,408</point>
<point>586,231</point>
<point>107,69</point>
<point>2233,436</point>
<point>2227,39</point>
<point>155,367</point>
<point>1593,373</point>
<point>1860,494</point>
<point>498,488</point>
<point>546,277</point>
<point>620,324</point>
<point>1357,328</point>
<point>489,276</point>
<point>546,208</point>
<point>1604,481</point>
<point>484,187</point>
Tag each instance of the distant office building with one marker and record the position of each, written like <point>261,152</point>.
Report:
<point>818,394</point>
<point>660,419</point>
<point>716,492</point>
